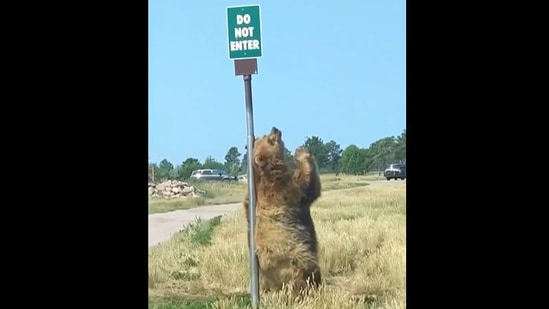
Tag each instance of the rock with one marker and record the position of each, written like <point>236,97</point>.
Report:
<point>173,189</point>
<point>162,186</point>
<point>187,190</point>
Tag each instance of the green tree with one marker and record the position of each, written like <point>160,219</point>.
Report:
<point>163,171</point>
<point>400,151</point>
<point>244,163</point>
<point>353,160</point>
<point>232,160</point>
<point>211,163</point>
<point>366,164</point>
<point>187,167</point>
<point>175,173</point>
<point>383,152</point>
<point>333,155</point>
<point>316,147</point>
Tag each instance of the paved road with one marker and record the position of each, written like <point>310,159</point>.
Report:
<point>163,225</point>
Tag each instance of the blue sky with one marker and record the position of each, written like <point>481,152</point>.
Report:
<point>337,71</point>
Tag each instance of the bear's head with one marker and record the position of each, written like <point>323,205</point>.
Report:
<point>269,150</point>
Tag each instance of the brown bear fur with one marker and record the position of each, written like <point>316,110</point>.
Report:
<point>285,237</point>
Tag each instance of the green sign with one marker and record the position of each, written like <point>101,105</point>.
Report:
<point>244,29</point>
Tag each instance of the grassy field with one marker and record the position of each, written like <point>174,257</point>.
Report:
<point>362,239</point>
<point>217,192</point>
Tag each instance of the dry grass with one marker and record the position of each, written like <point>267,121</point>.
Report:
<point>158,205</point>
<point>217,192</point>
<point>362,240</point>
<point>333,182</point>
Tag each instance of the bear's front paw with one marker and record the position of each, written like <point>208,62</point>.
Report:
<point>302,154</point>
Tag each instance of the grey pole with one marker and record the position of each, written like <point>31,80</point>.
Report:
<point>254,269</point>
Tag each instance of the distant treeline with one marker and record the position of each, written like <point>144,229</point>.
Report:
<point>329,156</point>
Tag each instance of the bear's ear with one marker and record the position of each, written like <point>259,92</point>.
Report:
<point>275,136</point>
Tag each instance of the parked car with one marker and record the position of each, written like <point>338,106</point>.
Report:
<point>212,174</point>
<point>395,171</point>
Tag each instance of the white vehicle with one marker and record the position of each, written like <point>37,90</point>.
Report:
<point>212,174</point>
<point>395,171</point>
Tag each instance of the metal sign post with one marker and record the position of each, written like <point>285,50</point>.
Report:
<point>244,44</point>
<point>254,269</point>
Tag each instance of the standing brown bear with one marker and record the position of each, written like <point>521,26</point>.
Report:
<point>285,236</point>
